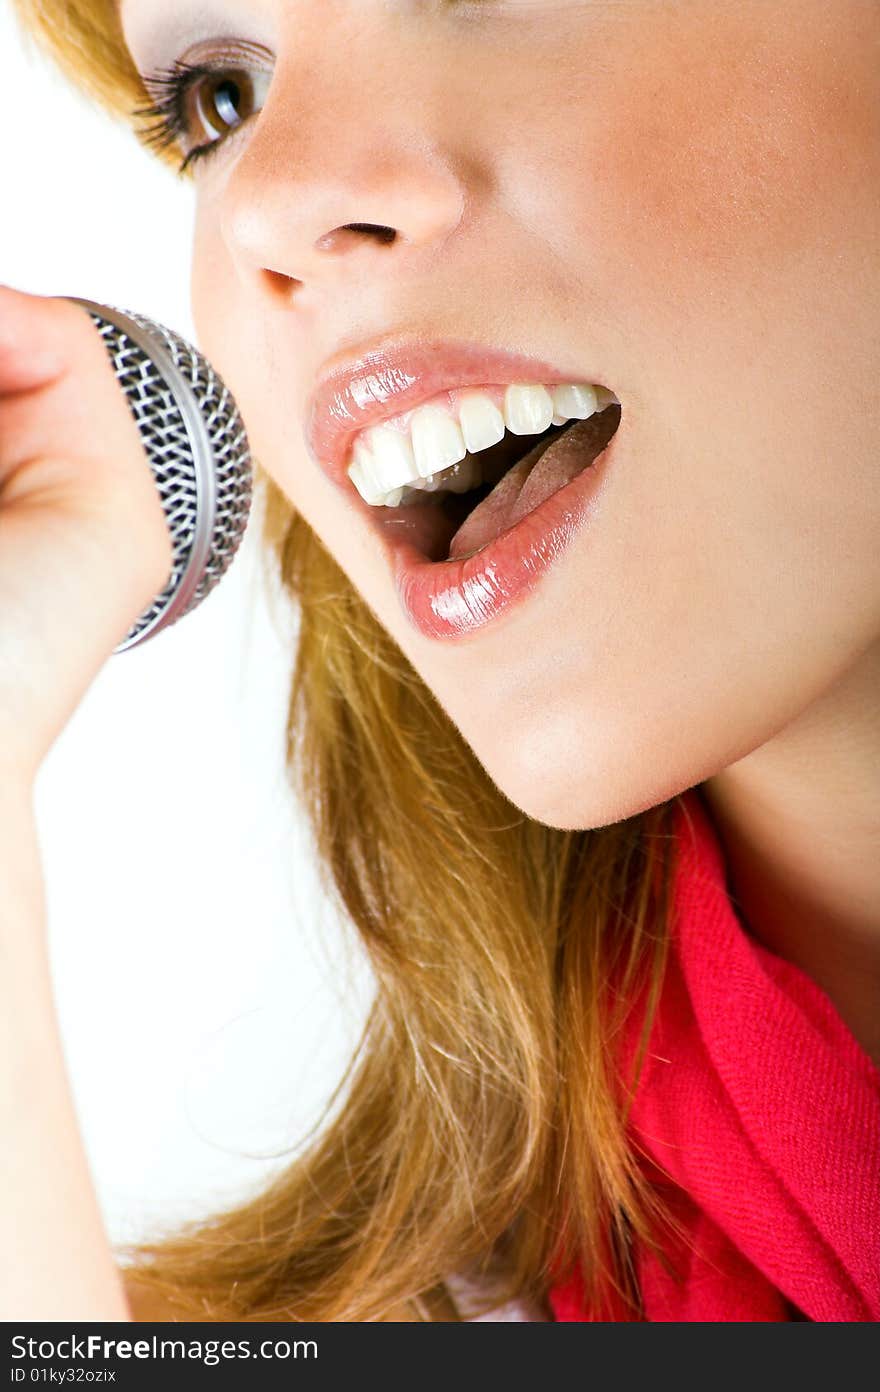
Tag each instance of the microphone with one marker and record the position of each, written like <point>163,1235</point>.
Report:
<point>197,448</point>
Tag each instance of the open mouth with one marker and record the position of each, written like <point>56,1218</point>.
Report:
<point>452,512</point>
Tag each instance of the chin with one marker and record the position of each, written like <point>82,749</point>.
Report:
<point>574,774</point>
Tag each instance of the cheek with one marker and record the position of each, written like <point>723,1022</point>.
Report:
<point>731,149</point>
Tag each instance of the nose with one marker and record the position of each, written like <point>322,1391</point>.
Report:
<point>343,176</point>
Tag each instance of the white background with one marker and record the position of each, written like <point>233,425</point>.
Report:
<point>209,996</point>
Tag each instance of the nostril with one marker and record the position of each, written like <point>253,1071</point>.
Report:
<point>279,279</point>
<point>352,234</point>
<point>280,286</point>
<point>385,235</point>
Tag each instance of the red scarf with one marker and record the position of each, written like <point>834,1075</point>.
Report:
<point>764,1112</point>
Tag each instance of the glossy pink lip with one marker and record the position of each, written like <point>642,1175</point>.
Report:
<point>396,375</point>
<point>455,599</point>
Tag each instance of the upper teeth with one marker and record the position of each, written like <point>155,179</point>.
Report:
<point>432,447</point>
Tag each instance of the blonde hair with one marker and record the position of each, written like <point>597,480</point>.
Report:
<point>480,1127</point>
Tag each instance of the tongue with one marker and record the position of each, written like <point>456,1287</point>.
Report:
<point>536,477</point>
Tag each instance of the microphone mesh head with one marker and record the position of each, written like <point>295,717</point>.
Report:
<point>197,448</point>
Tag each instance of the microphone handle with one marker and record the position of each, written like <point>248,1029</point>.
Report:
<point>197,448</point>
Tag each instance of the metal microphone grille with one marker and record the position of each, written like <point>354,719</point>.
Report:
<point>197,448</point>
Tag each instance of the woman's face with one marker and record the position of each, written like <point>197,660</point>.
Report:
<point>674,199</point>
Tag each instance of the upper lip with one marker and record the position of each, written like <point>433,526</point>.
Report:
<point>394,375</point>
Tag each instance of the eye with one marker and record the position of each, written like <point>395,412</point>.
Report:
<point>194,100</point>
<point>223,101</point>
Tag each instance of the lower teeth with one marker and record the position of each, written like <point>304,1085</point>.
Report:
<point>440,482</point>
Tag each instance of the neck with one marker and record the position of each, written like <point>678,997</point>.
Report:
<point>799,823</point>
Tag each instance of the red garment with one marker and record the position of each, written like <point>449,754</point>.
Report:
<point>764,1111</point>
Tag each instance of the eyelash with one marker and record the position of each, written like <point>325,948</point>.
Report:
<point>166,115</point>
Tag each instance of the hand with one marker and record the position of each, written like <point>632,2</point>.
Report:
<point>84,544</point>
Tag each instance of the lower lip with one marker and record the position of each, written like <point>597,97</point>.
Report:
<point>452,599</point>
